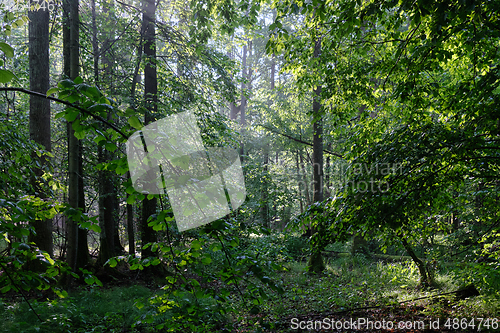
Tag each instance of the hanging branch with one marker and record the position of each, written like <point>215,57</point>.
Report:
<point>55,99</point>
<point>297,140</point>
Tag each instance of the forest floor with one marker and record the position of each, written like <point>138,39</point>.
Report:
<point>354,294</point>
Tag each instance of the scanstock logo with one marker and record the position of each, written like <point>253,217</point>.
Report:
<point>168,155</point>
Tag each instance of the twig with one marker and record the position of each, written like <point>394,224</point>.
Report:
<point>21,291</point>
<point>297,140</point>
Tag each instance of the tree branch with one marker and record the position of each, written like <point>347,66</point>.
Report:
<point>34,93</point>
<point>297,140</point>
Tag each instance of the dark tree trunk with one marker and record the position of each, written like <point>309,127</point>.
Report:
<point>151,101</point>
<point>264,207</point>
<point>315,263</point>
<point>77,242</point>
<point>304,178</point>
<point>39,122</point>
<point>243,104</point>
<point>299,181</point>
<point>425,277</point>
<point>130,227</point>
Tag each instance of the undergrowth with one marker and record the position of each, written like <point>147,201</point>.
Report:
<point>348,282</point>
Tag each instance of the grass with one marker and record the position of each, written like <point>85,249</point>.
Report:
<point>348,282</point>
<point>89,310</point>
<point>355,282</point>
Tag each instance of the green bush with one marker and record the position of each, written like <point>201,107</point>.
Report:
<point>297,247</point>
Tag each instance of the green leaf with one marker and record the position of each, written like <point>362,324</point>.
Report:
<point>18,23</point>
<point>110,146</point>
<point>131,199</point>
<point>76,125</point>
<point>100,108</point>
<point>61,294</point>
<point>95,228</point>
<point>6,76</point>
<point>158,227</point>
<point>206,260</point>
<point>196,245</point>
<point>52,91</point>
<point>130,112</point>
<point>66,84</point>
<point>111,262</point>
<point>7,50</point>
<point>71,114</point>
<point>78,80</point>
<point>135,122</point>
<point>98,282</point>
<point>89,280</point>
<point>80,135</point>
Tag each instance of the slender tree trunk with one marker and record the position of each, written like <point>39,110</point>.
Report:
<point>328,171</point>
<point>425,277</point>
<point>77,242</point>
<point>151,100</point>
<point>264,207</point>
<point>39,122</point>
<point>82,245</point>
<point>315,263</point>
<point>301,203</point>
<point>304,178</point>
<point>233,108</point>
<point>130,226</point>
<point>243,105</point>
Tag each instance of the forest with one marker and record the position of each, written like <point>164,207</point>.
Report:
<point>249,166</point>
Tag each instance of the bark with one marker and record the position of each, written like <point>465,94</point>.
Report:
<point>108,195</point>
<point>151,101</point>
<point>425,277</point>
<point>273,71</point>
<point>39,121</point>
<point>106,211</point>
<point>301,203</point>
<point>130,227</point>
<point>77,242</point>
<point>264,207</point>
<point>82,244</point>
<point>328,171</point>
<point>304,179</point>
<point>243,104</point>
<point>315,263</point>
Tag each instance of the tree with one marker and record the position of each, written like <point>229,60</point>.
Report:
<point>315,263</point>
<point>77,237</point>
<point>427,76</point>
<point>148,235</point>
<point>39,123</point>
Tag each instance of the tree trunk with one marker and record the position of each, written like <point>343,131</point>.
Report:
<point>76,237</point>
<point>304,179</point>
<point>301,203</point>
<point>315,263</point>
<point>245,75</point>
<point>130,226</point>
<point>108,196</point>
<point>39,122</point>
<point>151,101</point>
<point>106,211</point>
<point>264,207</point>
<point>425,277</point>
